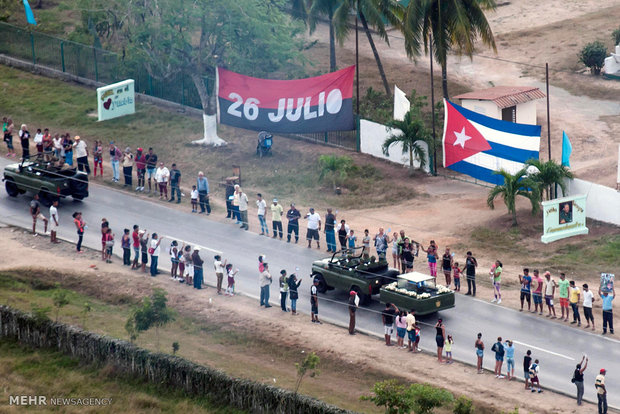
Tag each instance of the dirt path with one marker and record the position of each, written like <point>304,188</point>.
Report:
<point>19,249</point>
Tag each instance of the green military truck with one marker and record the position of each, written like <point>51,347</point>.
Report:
<point>45,179</point>
<point>347,272</point>
<point>419,292</point>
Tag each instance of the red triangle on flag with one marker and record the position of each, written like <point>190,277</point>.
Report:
<point>461,139</point>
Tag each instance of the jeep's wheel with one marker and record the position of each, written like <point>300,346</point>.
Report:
<point>364,298</point>
<point>11,188</point>
<point>322,286</point>
<point>45,198</point>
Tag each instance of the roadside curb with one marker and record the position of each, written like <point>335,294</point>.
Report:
<point>330,321</point>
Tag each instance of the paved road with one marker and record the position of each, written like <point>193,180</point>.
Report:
<point>559,347</point>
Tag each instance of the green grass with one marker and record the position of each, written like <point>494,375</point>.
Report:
<point>601,253</point>
<point>27,371</point>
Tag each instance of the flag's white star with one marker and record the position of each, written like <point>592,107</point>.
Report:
<point>461,138</point>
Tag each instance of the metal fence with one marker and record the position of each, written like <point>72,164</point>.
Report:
<point>108,67</point>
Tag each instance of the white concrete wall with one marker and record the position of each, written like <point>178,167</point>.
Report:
<point>612,63</point>
<point>603,203</point>
<point>487,108</point>
<point>526,113</point>
<point>372,137</point>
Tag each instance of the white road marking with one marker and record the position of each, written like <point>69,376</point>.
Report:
<point>170,238</point>
<point>544,350</point>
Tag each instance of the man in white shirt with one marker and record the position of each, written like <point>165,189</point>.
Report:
<point>54,223</point>
<point>588,298</point>
<point>262,207</point>
<point>243,209</point>
<point>161,176</point>
<point>220,268</point>
<point>314,227</point>
<point>81,153</point>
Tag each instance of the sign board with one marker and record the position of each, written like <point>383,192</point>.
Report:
<point>564,217</point>
<point>607,282</point>
<point>117,99</point>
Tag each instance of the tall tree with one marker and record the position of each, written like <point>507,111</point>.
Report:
<point>548,175</point>
<point>518,184</point>
<point>375,13</point>
<point>449,26</point>
<point>172,37</point>
<point>318,8</point>
<point>412,132</point>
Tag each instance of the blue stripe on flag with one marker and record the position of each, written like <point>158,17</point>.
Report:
<point>510,153</point>
<point>477,172</point>
<point>505,126</point>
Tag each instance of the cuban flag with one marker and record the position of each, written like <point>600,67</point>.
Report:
<point>477,145</point>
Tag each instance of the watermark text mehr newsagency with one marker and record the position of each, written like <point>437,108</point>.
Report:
<point>25,400</point>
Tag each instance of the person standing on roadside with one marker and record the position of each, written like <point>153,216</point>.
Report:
<point>35,212</point>
<point>534,372</point>
<point>314,227</point>
<point>202,184</point>
<point>496,278</point>
<point>293,286</point>
<point>265,283</point>
<point>154,250</point>
<point>235,205</point>
<point>162,175</point>
<point>7,128</point>
<point>411,330</point>
<point>470,273</point>
<point>352,303</point>
<point>446,266</point>
<point>608,313</point>
<point>537,294</point>
<point>151,167</point>
<point>510,359</point>
<point>229,194</point>
<point>135,238</point>
<point>330,235</point>
<point>549,294</point>
<point>115,158</point>
<point>54,223</point>
<point>261,206</point>
<point>601,391</point>
<point>499,350</point>
<point>578,378</point>
<point>283,290</point>
<point>144,249</point>
<point>314,301</point>
<point>80,225</point>
<point>81,154</point>
<point>381,243</point>
<point>343,232</point>
<point>479,345</point>
<point>243,209</point>
<point>98,157</point>
<point>387,317</point>
<point>366,244</point>
<point>128,167</point>
<point>126,246</point>
<point>220,269</point>
<point>24,137</point>
<point>527,361</point>
<point>588,298</point>
<point>563,287</point>
<point>292,215</point>
<point>276,218</point>
<point>140,169</point>
<point>198,266</point>
<point>175,183</point>
<point>526,287</point>
<point>440,339</point>
<point>575,296</point>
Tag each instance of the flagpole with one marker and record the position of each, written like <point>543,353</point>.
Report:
<point>357,65</point>
<point>430,42</point>
<point>548,114</point>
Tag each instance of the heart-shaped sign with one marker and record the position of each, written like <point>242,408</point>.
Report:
<point>107,103</point>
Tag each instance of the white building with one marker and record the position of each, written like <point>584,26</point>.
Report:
<point>508,103</point>
<point>612,64</point>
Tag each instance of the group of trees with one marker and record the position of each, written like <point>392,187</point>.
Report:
<point>535,181</point>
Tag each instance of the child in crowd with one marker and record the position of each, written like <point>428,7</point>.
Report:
<point>109,245</point>
<point>261,259</point>
<point>144,241</point>
<point>352,238</point>
<point>448,347</point>
<point>174,259</point>
<point>366,244</point>
<point>189,266</point>
<point>98,157</point>
<point>194,197</point>
<point>457,276</point>
<point>230,290</point>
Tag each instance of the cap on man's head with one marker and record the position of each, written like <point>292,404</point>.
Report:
<point>111,142</point>
<point>275,200</point>
<point>292,204</point>
<point>139,150</point>
<point>602,371</point>
<point>77,138</point>
<point>311,208</point>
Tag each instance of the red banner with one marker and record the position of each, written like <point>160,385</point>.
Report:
<point>319,104</point>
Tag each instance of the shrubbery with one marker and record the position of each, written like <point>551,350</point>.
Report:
<point>593,56</point>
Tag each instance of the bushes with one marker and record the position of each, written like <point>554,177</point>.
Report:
<point>593,56</point>
<point>616,36</point>
<point>396,398</point>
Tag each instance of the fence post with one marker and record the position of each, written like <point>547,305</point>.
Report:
<point>96,68</point>
<point>62,55</point>
<point>34,58</point>
<point>326,137</point>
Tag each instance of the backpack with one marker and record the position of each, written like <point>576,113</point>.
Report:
<point>533,370</point>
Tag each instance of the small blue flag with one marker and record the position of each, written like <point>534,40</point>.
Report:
<point>29,15</point>
<point>567,149</point>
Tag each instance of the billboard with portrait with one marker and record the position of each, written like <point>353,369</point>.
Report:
<point>564,217</point>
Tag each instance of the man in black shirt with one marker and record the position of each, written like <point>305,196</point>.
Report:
<point>230,192</point>
<point>175,183</point>
<point>151,166</point>
<point>388,321</point>
<point>527,361</point>
<point>470,272</point>
<point>292,216</point>
<point>330,235</point>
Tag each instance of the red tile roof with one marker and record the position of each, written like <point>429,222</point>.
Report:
<point>505,96</point>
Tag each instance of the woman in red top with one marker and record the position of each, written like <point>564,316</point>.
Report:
<point>135,236</point>
<point>80,225</point>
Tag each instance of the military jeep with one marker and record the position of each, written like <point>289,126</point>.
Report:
<point>346,270</point>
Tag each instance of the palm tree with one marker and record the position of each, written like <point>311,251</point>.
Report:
<point>518,184</point>
<point>413,131</point>
<point>549,174</point>
<point>328,8</point>
<point>373,13</point>
<point>446,25</point>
